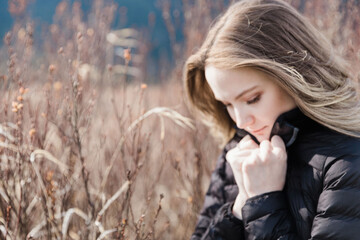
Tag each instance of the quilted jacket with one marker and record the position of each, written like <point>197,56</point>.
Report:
<point>320,200</point>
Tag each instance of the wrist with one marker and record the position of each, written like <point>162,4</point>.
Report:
<point>238,204</point>
<point>264,204</point>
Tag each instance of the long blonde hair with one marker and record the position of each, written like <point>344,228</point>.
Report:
<point>272,37</point>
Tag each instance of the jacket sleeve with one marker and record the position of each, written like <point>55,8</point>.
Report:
<point>339,204</point>
<point>267,216</point>
<point>216,220</point>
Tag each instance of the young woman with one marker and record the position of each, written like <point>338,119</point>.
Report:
<point>271,87</point>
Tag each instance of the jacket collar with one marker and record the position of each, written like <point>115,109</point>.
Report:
<point>287,126</point>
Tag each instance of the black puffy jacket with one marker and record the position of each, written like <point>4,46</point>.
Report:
<point>320,200</point>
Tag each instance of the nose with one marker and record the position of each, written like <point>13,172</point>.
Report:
<point>243,118</point>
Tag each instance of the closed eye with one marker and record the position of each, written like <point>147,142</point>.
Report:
<point>254,100</point>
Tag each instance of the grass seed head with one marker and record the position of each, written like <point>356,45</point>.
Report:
<point>52,68</point>
<point>32,132</point>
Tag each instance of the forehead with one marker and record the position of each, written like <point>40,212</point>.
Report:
<point>226,84</point>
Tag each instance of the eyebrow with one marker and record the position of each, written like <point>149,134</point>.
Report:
<point>244,92</point>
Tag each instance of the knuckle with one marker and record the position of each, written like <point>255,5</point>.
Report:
<point>267,152</point>
<point>265,142</point>
<point>247,143</point>
<point>266,159</point>
<point>230,153</point>
<point>229,159</point>
<point>248,167</point>
<point>281,154</point>
<point>234,162</point>
<point>250,163</point>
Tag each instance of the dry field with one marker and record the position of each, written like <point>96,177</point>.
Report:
<point>88,149</point>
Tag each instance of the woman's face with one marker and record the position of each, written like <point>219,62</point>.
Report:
<point>254,101</point>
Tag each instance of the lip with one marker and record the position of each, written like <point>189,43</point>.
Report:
<point>258,130</point>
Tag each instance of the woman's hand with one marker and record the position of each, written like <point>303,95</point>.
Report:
<point>265,171</point>
<point>236,158</point>
<point>257,169</point>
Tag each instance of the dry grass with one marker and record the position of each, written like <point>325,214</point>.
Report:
<point>87,149</point>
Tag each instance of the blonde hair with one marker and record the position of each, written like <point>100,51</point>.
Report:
<point>272,37</point>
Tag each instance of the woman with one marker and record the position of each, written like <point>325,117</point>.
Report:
<point>270,86</point>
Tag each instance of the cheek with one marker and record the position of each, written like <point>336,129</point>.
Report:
<point>285,103</point>
<point>276,104</point>
<point>270,109</point>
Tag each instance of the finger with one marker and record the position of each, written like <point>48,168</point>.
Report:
<point>247,143</point>
<point>277,142</point>
<point>250,162</point>
<point>246,138</point>
<point>265,150</point>
<point>279,149</point>
<point>235,154</point>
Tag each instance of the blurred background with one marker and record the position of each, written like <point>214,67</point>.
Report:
<point>96,139</point>
<point>146,16</point>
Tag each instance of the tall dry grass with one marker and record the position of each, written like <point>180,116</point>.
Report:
<point>88,149</point>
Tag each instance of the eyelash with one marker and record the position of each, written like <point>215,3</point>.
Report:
<point>251,101</point>
<point>254,100</point>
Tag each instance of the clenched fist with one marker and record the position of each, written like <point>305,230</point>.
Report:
<point>257,169</point>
